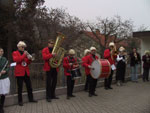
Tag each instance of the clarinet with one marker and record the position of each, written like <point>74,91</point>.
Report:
<point>4,67</point>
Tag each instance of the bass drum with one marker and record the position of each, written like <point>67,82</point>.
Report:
<point>101,68</point>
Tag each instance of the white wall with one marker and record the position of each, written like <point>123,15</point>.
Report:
<point>145,44</point>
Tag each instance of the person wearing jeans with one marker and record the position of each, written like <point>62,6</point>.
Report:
<point>134,72</point>
<point>135,61</point>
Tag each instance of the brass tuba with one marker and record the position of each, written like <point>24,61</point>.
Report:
<point>60,52</point>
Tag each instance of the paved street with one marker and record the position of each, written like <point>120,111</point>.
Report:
<point>130,98</point>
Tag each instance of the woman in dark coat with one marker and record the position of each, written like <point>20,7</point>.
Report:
<point>146,65</point>
<point>121,66</point>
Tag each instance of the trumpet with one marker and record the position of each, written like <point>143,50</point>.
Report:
<point>29,56</point>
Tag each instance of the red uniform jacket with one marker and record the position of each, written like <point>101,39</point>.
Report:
<point>87,62</point>
<point>66,65</point>
<point>19,69</point>
<point>107,56</point>
<point>46,56</point>
<point>83,64</point>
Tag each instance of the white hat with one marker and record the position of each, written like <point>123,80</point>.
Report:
<point>92,48</point>
<point>111,44</point>
<point>72,51</point>
<point>121,48</point>
<point>147,52</point>
<point>86,51</point>
<point>21,43</point>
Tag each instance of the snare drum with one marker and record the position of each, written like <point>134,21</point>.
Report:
<point>101,68</point>
<point>75,73</point>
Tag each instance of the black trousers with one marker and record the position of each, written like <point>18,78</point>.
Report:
<point>70,85</point>
<point>2,100</point>
<point>27,81</point>
<point>87,82</point>
<point>92,85</point>
<point>146,73</point>
<point>108,80</point>
<point>120,73</point>
<point>51,81</point>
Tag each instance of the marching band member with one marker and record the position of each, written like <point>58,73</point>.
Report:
<point>146,65</point>
<point>135,60</point>
<point>87,64</point>
<point>121,66</point>
<point>51,73</point>
<point>4,80</point>
<point>22,71</point>
<point>86,53</point>
<point>110,55</point>
<point>69,63</point>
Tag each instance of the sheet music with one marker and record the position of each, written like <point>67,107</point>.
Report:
<point>113,67</point>
<point>13,64</point>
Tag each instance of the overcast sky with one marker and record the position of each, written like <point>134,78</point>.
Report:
<point>87,10</point>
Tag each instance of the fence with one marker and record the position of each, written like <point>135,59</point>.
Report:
<point>38,77</point>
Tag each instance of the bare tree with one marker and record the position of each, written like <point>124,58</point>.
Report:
<point>112,29</point>
<point>142,28</point>
<point>28,20</point>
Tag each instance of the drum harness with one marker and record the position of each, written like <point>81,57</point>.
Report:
<point>71,60</point>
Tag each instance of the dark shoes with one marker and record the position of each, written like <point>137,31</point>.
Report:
<point>95,94</point>
<point>110,88</point>
<point>55,97</point>
<point>90,95</point>
<point>33,101</point>
<point>48,100</point>
<point>145,80</point>
<point>106,88</point>
<point>20,103</point>
<point>68,97</point>
<point>85,90</point>
<point>72,96</point>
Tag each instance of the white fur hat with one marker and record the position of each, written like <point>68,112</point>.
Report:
<point>111,44</point>
<point>21,43</point>
<point>147,52</point>
<point>92,48</point>
<point>72,51</point>
<point>86,51</point>
<point>121,48</point>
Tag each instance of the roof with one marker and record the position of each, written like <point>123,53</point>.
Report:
<point>141,34</point>
<point>102,38</point>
